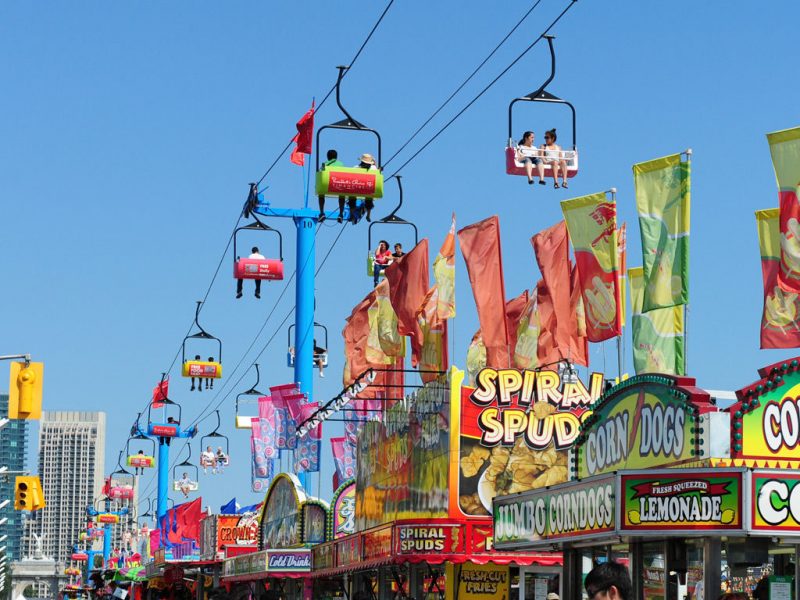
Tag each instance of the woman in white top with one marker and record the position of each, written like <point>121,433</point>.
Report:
<point>526,154</point>
<point>208,459</point>
<point>554,156</point>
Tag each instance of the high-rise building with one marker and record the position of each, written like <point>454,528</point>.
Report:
<point>71,466</point>
<point>13,448</point>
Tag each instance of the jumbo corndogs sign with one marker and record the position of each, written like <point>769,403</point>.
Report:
<point>513,433</point>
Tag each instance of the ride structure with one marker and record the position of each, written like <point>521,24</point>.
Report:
<point>270,269</point>
<point>163,432</point>
<point>513,167</point>
<point>244,421</point>
<point>202,369</point>
<point>391,219</point>
<point>107,517</point>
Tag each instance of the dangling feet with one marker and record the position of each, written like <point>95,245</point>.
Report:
<point>530,181</point>
<point>542,182</point>
<point>564,184</point>
<point>555,184</point>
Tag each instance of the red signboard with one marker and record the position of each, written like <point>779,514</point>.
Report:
<point>164,430</point>
<point>431,538</point>
<point>377,543</point>
<point>236,530</point>
<point>348,550</point>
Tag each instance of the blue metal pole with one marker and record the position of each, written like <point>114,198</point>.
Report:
<point>163,478</point>
<point>107,536</point>
<point>304,308</point>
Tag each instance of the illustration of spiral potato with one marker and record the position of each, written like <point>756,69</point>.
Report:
<point>602,305</point>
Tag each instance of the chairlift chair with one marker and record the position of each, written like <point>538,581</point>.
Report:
<point>165,428</point>
<point>145,460</point>
<point>348,181</point>
<point>391,219</point>
<point>270,269</point>
<point>514,167</point>
<point>203,369</point>
<point>217,439</point>
<point>186,464</point>
<point>243,421</point>
<point>323,357</point>
<point>119,485</point>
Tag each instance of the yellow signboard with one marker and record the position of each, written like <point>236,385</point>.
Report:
<point>477,582</point>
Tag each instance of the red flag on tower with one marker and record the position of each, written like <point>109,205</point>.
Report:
<point>304,138</point>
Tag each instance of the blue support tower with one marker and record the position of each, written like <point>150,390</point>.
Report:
<point>93,512</point>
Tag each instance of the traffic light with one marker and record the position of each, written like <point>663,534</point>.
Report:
<point>28,493</point>
<point>25,390</point>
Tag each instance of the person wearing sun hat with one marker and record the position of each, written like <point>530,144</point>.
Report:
<point>365,161</point>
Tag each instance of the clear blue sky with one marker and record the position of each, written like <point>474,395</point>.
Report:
<point>129,133</point>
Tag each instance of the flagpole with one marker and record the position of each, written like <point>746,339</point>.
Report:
<point>688,153</point>
<point>619,352</point>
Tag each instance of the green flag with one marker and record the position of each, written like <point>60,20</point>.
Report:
<point>658,336</point>
<point>662,200</point>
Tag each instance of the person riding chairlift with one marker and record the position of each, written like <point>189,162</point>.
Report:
<point>255,255</point>
<point>528,155</point>
<point>319,355</point>
<point>554,156</point>
<point>366,161</point>
<point>221,458</point>
<point>185,485</point>
<point>383,258</point>
<point>208,460</point>
<point>333,161</point>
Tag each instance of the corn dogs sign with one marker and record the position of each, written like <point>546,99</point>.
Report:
<point>648,421</point>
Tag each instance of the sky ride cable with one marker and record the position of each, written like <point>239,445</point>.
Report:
<point>333,88</point>
<point>463,83</point>
<point>485,89</point>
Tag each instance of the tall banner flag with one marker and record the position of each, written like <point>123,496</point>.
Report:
<point>663,200</point>
<point>658,335</point>
<point>444,273</point>
<point>434,337</point>
<point>622,261</point>
<point>592,224</point>
<point>784,146</point>
<point>526,348</point>
<point>408,285</point>
<point>476,357</point>
<point>392,343</point>
<point>779,320</point>
<point>480,245</point>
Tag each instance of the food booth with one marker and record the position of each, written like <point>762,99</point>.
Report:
<point>424,484</point>
<point>290,523</point>
<point>695,499</point>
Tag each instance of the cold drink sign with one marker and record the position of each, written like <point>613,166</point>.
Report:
<point>646,422</point>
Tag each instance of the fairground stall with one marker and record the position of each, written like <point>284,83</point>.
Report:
<point>695,499</point>
<point>290,524</point>
<point>426,476</point>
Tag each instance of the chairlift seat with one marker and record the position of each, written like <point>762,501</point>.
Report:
<point>257,268</point>
<point>323,357</point>
<point>193,486</point>
<point>140,460</point>
<point>163,429</point>
<point>244,422</point>
<point>121,493</point>
<point>202,369</point>
<point>109,517</point>
<point>350,181</point>
<point>514,167</point>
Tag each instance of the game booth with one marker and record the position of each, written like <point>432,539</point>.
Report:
<point>425,479</point>
<point>290,523</point>
<point>695,499</point>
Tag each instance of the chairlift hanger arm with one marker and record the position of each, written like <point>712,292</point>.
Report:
<point>348,122</point>
<point>541,95</point>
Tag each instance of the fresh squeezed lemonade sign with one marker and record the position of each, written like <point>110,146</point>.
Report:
<point>640,426</point>
<point>690,500</point>
<point>515,430</point>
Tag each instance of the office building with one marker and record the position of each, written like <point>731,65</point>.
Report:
<point>13,449</point>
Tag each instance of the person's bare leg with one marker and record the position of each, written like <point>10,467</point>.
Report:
<point>529,170</point>
<point>564,173</point>
<point>540,170</point>
<point>555,166</point>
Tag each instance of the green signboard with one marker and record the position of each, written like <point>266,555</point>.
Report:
<point>681,500</point>
<point>570,510</point>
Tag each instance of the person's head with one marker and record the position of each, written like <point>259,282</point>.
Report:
<point>527,139</point>
<point>550,136</point>
<point>609,581</point>
<point>208,448</point>
<point>254,250</point>
<point>219,449</point>
<point>383,245</point>
<point>210,359</point>
<point>141,451</point>
<point>170,419</point>
<point>398,247</point>
<point>197,357</point>
<point>366,160</point>
<point>332,154</point>
<point>186,476</point>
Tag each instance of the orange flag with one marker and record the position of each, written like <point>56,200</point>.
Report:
<point>579,348</point>
<point>356,333</point>
<point>408,285</point>
<point>515,309</point>
<point>548,352</point>
<point>480,245</point>
<point>552,254</point>
<point>434,334</point>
